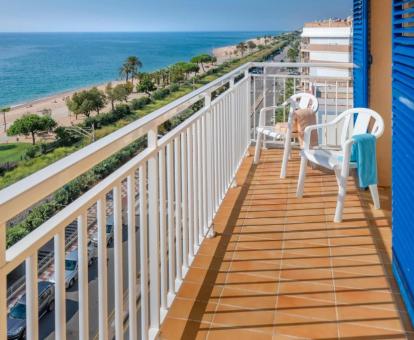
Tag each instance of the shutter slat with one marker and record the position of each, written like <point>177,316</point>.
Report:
<point>360,51</point>
<point>403,149</point>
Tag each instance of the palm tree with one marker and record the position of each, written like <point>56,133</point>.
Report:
<point>124,72</point>
<point>130,68</point>
<point>242,48</point>
<point>134,65</point>
<point>4,110</point>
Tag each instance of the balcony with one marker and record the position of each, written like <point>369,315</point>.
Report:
<point>205,243</point>
<point>281,269</point>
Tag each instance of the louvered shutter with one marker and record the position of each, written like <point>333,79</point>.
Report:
<point>360,52</point>
<point>403,149</point>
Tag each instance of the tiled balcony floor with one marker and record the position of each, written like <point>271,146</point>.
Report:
<point>281,269</point>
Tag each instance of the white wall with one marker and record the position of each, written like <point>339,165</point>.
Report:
<point>330,41</point>
<point>340,57</point>
<point>327,32</point>
<point>328,72</point>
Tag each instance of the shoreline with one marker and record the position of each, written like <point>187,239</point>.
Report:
<point>56,94</point>
<point>56,102</point>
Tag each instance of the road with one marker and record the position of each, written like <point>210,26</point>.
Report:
<point>47,323</point>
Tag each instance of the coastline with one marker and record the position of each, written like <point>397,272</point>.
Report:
<point>57,102</point>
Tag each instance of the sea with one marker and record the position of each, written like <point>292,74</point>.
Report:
<point>37,65</point>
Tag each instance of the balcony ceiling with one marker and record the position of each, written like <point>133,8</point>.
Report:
<point>280,269</point>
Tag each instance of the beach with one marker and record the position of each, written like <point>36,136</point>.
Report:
<point>56,104</point>
<point>58,109</point>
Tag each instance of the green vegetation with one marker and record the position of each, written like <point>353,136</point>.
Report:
<point>31,124</point>
<point>130,68</point>
<point>4,110</point>
<point>203,59</point>
<point>242,47</point>
<point>13,152</point>
<point>146,85</point>
<point>107,123</point>
<point>86,102</point>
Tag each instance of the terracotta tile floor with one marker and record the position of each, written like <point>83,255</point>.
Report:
<point>281,269</point>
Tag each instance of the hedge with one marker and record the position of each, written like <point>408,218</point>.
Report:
<point>77,187</point>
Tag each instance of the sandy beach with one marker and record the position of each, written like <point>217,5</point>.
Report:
<point>229,52</point>
<point>57,103</point>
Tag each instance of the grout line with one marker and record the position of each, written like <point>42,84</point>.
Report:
<point>280,274</point>
<point>233,254</point>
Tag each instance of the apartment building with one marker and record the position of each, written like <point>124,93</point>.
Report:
<point>327,42</point>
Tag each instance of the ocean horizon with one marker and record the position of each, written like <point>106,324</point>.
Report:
<point>38,65</point>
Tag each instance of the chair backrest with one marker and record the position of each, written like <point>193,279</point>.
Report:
<point>367,121</point>
<point>304,101</point>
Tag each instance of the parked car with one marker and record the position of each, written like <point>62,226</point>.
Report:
<point>72,264</point>
<point>16,319</point>
<point>257,70</point>
<point>109,232</point>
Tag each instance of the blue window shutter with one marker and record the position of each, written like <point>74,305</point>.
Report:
<point>403,149</point>
<point>360,51</point>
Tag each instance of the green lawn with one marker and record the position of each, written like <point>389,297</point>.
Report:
<point>12,152</point>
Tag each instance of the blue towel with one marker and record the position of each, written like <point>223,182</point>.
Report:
<point>364,154</point>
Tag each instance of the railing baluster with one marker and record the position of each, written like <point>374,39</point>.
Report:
<point>119,288</point>
<point>60,286</point>
<point>154,249</point>
<point>178,221</point>
<point>195,181</point>
<point>215,166</point>
<point>204,176</point>
<point>143,233</point>
<point>163,231</point>
<point>254,109</point>
<point>132,257</point>
<point>184,192</point>
<point>209,163</point>
<point>102,269</point>
<point>171,225</point>
<point>32,300</point>
<point>199,182</point>
<point>83,277</point>
<point>190,193</point>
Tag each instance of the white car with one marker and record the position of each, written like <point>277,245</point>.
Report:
<point>72,264</point>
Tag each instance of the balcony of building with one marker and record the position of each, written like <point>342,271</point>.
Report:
<point>206,244</point>
<point>279,268</point>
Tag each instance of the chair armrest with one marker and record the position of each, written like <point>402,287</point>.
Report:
<point>310,128</point>
<point>263,112</point>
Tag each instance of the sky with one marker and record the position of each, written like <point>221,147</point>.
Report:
<point>165,15</point>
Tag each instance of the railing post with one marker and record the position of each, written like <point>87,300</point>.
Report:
<point>248,109</point>
<point>83,276</point>
<point>3,283</point>
<point>154,219</point>
<point>209,140</point>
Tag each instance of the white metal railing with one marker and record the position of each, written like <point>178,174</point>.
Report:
<point>175,185</point>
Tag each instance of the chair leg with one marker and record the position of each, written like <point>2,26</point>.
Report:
<point>286,155</point>
<point>258,150</point>
<point>302,175</point>
<point>375,196</point>
<point>341,195</point>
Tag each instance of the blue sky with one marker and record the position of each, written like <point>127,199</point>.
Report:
<point>165,15</point>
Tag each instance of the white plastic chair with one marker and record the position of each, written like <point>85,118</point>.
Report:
<point>339,160</point>
<point>297,101</point>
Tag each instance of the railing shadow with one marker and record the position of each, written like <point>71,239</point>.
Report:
<point>191,329</point>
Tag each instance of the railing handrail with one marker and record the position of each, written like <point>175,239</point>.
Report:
<point>26,192</point>
<point>303,65</point>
